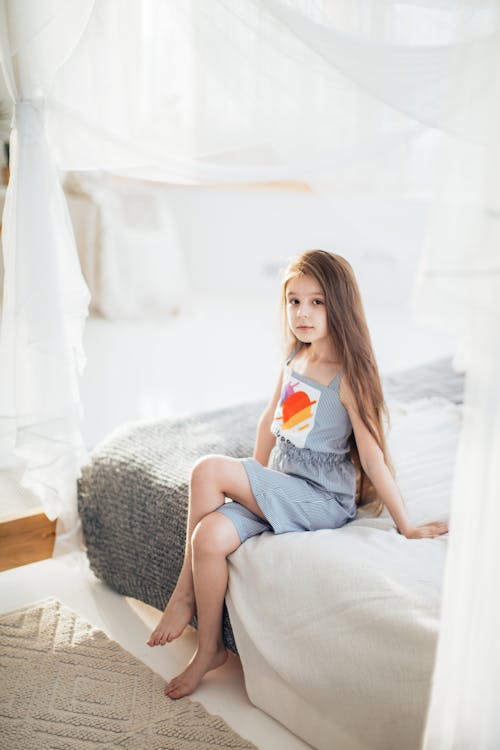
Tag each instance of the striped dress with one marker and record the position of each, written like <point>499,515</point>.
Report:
<point>310,480</point>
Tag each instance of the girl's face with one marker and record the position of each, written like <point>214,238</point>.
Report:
<point>306,309</point>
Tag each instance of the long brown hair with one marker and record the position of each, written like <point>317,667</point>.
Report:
<point>351,338</point>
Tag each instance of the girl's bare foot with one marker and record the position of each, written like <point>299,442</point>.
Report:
<point>187,681</point>
<point>176,616</point>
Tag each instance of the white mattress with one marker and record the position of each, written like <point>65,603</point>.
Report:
<point>337,629</point>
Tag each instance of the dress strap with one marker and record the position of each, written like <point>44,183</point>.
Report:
<point>293,353</point>
<point>333,382</point>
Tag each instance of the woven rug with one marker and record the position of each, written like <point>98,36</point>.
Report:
<point>65,685</point>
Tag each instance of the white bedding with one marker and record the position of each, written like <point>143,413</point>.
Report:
<point>337,629</point>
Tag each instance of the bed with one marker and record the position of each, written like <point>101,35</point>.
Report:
<point>336,629</point>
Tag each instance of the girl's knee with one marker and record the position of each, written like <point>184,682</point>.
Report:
<point>215,534</point>
<point>205,467</point>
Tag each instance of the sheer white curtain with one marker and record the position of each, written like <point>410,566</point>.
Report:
<point>347,95</point>
<point>45,298</point>
<point>458,287</point>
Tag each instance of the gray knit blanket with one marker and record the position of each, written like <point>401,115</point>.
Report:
<point>133,495</point>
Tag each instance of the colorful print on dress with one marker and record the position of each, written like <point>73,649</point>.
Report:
<point>295,414</point>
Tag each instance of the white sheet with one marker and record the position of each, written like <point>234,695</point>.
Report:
<point>337,629</point>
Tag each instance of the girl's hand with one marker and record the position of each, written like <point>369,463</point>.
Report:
<point>428,530</point>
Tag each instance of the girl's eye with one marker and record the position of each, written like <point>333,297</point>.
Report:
<point>292,301</point>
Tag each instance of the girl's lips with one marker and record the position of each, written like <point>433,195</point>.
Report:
<point>303,328</point>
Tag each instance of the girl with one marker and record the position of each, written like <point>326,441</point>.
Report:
<point>320,452</point>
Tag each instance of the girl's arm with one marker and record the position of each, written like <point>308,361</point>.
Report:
<point>373,463</point>
<point>265,439</point>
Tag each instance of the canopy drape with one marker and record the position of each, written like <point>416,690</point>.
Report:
<point>400,97</point>
<point>45,298</point>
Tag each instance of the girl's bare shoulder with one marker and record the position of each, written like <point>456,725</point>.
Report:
<point>346,394</point>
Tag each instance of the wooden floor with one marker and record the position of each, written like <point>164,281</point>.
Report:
<point>26,538</point>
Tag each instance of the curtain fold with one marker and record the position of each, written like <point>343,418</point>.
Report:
<point>300,98</point>
<point>458,287</point>
<point>45,298</point>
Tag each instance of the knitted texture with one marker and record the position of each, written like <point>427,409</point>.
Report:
<point>435,378</point>
<point>65,684</point>
<point>133,498</point>
<point>133,495</point>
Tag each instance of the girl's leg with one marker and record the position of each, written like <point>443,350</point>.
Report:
<point>214,538</point>
<point>212,478</point>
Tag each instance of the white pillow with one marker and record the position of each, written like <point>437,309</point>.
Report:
<point>422,440</point>
<point>139,269</point>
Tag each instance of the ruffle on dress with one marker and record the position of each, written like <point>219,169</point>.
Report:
<point>305,456</point>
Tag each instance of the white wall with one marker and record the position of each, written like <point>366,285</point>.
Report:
<point>236,240</point>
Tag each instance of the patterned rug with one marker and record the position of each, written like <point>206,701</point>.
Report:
<point>65,685</point>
